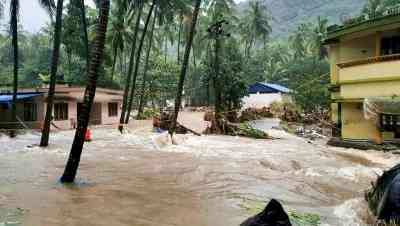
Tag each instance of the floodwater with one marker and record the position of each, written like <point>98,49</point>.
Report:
<point>138,179</point>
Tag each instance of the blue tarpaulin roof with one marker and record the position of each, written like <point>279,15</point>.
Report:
<point>8,98</point>
<point>262,87</point>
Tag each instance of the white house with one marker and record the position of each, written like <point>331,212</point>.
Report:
<point>263,94</point>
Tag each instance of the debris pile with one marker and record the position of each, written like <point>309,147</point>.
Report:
<point>251,114</point>
<point>162,122</point>
<point>286,111</point>
<point>223,125</point>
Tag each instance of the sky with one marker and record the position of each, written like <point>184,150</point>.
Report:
<point>33,17</point>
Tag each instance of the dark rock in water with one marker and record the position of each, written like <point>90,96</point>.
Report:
<point>389,207</point>
<point>384,197</point>
<point>273,215</point>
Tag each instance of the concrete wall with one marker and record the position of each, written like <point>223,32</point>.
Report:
<point>355,126</point>
<point>262,100</point>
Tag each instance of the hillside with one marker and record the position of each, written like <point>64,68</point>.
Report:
<point>288,14</point>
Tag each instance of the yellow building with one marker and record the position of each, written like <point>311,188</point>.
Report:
<point>365,67</point>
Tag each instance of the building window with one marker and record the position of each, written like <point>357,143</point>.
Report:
<point>30,112</point>
<point>390,123</point>
<point>391,45</point>
<point>61,111</point>
<point>112,109</point>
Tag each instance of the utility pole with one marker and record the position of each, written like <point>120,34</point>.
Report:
<point>216,32</point>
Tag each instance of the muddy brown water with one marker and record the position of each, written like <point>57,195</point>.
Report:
<point>138,180</point>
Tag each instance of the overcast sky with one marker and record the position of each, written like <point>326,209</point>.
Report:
<point>32,16</point>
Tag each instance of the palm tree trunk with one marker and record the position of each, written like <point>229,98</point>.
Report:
<point>138,55</point>
<point>165,49</point>
<point>85,37</point>
<point>185,64</point>
<point>179,36</point>
<point>146,68</point>
<point>114,63</point>
<point>14,32</point>
<point>44,142</point>
<point>130,69</point>
<point>216,81</point>
<point>93,73</point>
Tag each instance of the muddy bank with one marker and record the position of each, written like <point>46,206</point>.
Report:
<point>129,180</point>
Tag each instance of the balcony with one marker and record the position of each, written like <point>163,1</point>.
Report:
<point>375,69</point>
<point>371,77</point>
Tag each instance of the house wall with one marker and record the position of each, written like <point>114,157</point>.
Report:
<point>357,49</point>
<point>6,117</point>
<point>107,120</point>
<point>72,115</point>
<point>263,100</point>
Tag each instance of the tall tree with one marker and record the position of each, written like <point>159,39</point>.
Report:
<point>137,60</point>
<point>96,60</point>
<point>142,98</point>
<point>14,33</point>
<point>178,99</point>
<point>130,69</point>
<point>53,75</point>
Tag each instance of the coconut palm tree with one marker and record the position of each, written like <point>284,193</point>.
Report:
<point>53,74</point>
<point>14,33</point>
<point>119,29</point>
<point>255,26</point>
<point>96,60</point>
<point>146,67</point>
<point>137,60</point>
<point>178,99</point>
<point>140,6</point>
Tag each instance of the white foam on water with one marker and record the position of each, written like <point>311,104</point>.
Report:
<point>347,212</point>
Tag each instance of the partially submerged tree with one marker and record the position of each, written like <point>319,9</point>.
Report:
<point>178,99</point>
<point>53,75</point>
<point>96,60</point>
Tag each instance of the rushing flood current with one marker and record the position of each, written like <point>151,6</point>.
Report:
<point>138,179</point>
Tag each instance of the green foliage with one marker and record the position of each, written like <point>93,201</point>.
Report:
<point>246,130</point>
<point>149,113</point>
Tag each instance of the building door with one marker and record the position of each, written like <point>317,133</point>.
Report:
<point>95,113</point>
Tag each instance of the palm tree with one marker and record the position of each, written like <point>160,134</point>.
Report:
<point>373,8</point>
<point>255,25</point>
<point>178,99</point>
<point>93,74</point>
<point>137,60</point>
<point>146,67</point>
<point>140,6</point>
<point>119,29</point>
<point>14,33</point>
<point>53,74</point>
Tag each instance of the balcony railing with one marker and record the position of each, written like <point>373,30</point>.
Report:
<point>371,60</point>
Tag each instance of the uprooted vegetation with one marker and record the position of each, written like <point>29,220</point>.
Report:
<point>223,124</point>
